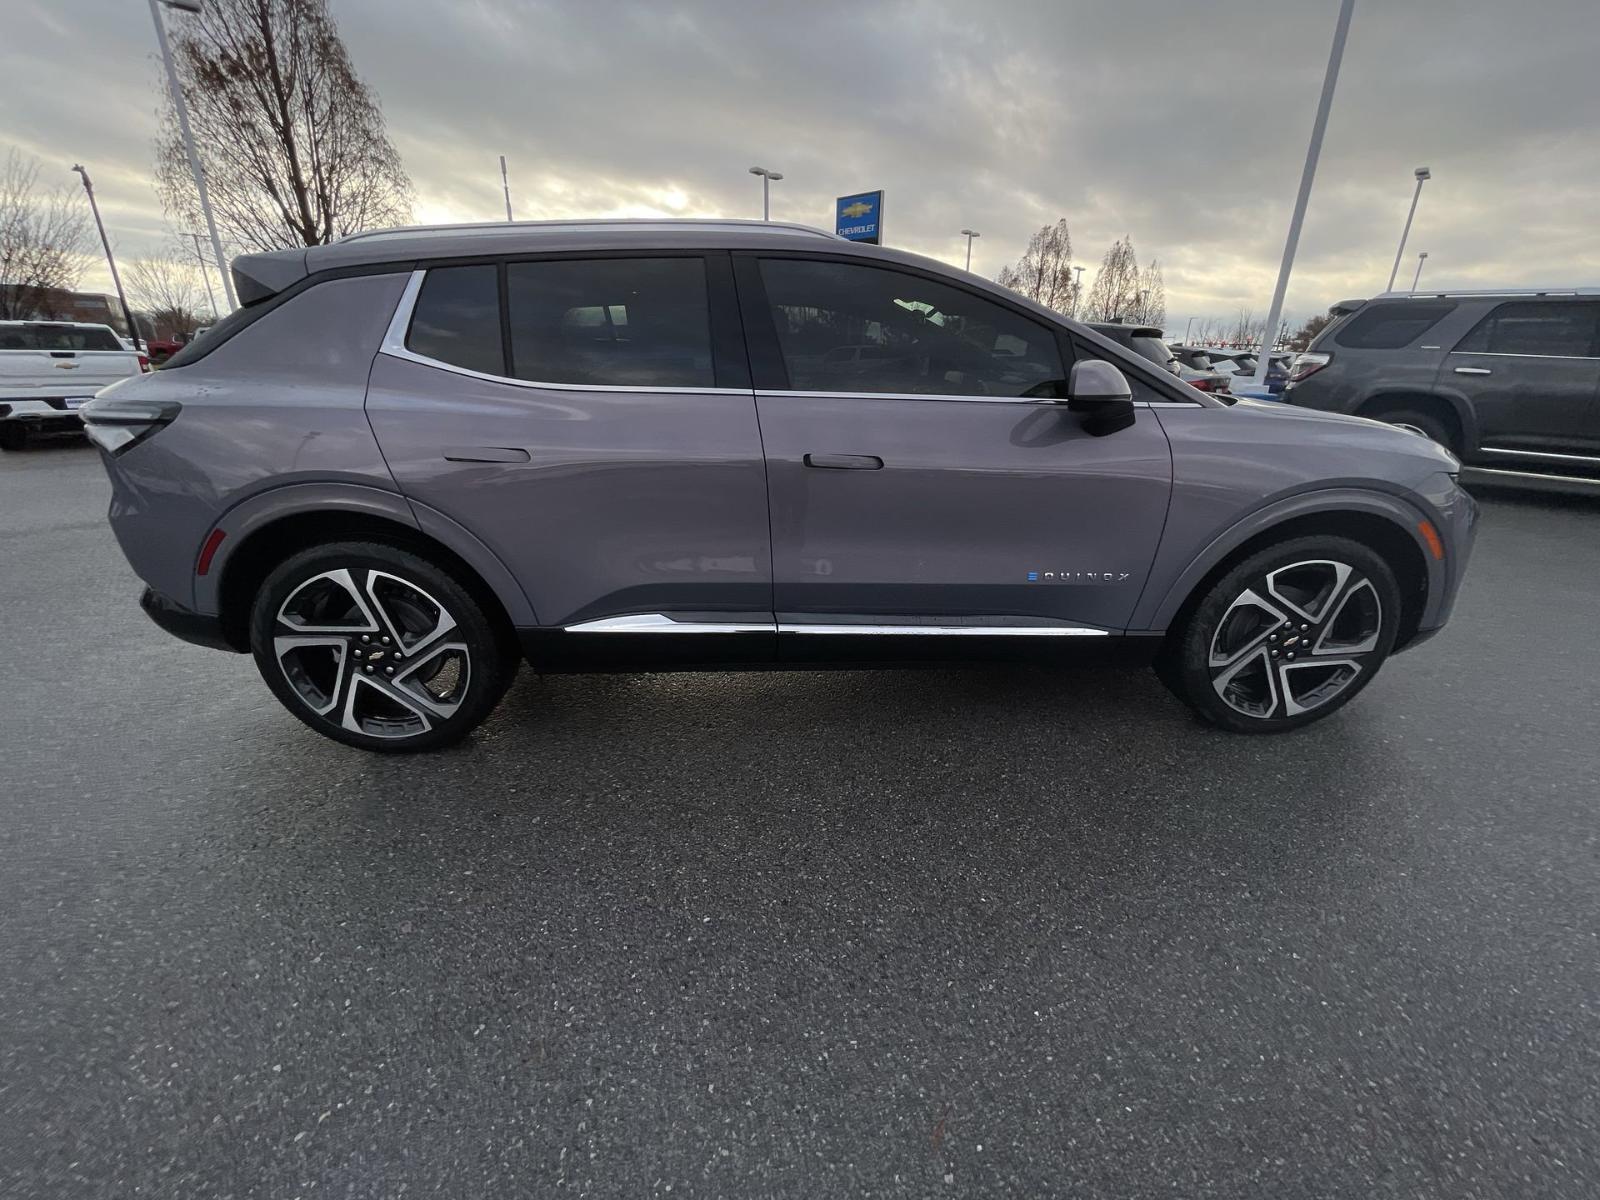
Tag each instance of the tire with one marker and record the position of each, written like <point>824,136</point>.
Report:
<point>1426,423</point>
<point>377,647</point>
<point>1286,637</point>
<point>13,435</point>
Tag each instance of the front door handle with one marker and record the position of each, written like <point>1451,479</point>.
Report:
<point>485,454</point>
<point>1473,371</point>
<point>844,462</point>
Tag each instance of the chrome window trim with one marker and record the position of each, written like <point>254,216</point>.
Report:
<point>1029,401</point>
<point>394,345</point>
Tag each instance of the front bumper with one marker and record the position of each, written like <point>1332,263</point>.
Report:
<point>180,622</point>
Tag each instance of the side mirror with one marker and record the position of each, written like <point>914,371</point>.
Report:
<point>1100,392</point>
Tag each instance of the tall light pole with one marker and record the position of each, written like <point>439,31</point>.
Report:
<point>1341,31</point>
<point>199,257</point>
<point>111,261</point>
<point>505,184</point>
<point>1077,289</point>
<point>1423,175</point>
<point>969,234</point>
<point>191,6</point>
<point>1186,329</point>
<point>768,178</point>
<point>1417,278</point>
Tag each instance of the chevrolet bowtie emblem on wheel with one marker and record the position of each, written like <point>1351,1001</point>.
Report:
<point>1077,576</point>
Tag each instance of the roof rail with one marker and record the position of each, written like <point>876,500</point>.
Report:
<point>1450,293</point>
<point>589,222</point>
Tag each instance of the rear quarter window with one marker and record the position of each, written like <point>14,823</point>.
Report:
<point>1391,326</point>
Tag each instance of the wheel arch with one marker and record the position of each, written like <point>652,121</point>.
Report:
<point>1445,402</point>
<point>1387,525</point>
<point>262,532</point>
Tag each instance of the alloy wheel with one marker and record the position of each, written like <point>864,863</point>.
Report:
<point>372,652</point>
<point>1295,639</point>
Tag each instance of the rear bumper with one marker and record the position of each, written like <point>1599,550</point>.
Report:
<point>50,415</point>
<point>192,627</point>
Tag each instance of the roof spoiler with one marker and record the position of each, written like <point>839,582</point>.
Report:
<point>1345,307</point>
<point>258,277</point>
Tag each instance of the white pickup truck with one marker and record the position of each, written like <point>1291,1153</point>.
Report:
<point>49,368</point>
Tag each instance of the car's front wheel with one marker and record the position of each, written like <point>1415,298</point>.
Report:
<point>1287,636</point>
<point>378,647</point>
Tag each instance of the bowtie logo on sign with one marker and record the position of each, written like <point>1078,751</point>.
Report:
<point>860,217</point>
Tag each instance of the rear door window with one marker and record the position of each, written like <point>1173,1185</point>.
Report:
<point>457,319</point>
<point>611,322</point>
<point>1393,325</point>
<point>906,334</point>
<point>1540,328</point>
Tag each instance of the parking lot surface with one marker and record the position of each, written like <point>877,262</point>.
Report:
<point>868,934</point>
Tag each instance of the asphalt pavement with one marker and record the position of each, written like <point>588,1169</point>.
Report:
<point>973,933</point>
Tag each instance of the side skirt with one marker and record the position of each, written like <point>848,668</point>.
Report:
<point>730,644</point>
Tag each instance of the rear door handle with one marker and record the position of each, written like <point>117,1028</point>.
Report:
<point>1473,371</point>
<point>499,454</point>
<point>844,462</point>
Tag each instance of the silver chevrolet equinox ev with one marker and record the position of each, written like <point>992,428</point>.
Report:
<point>415,457</point>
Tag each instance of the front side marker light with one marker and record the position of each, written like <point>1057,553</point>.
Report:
<point>1431,536</point>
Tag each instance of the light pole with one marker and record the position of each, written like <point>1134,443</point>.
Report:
<point>191,6</point>
<point>969,234</point>
<point>768,178</point>
<point>127,313</point>
<point>211,297</point>
<point>505,184</point>
<point>1341,30</point>
<point>1186,328</point>
<point>1417,278</point>
<point>1423,175</point>
<point>1077,289</point>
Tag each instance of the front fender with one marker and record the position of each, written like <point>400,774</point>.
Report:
<point>1171,584</point>
<point>262,509</point>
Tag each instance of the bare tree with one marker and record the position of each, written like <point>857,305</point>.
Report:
<point>1150,304</point>
<point>170,291</point>
<point>292,142</point>
<point>44,236</point>
<point>1115,293</point>
<point>1044,272</point>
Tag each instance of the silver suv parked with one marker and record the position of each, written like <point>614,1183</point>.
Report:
<point>416,457</point>
<point>1508,381</point>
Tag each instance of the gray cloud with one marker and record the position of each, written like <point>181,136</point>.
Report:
<point>1181,124</point>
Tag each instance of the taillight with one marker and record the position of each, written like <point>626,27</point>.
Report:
<point>1306,364</point>
<point>115,424</point>
<point>1203,384</point>
<point>144,362</point>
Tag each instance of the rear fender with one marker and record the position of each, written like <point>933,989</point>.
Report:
<point>266,508</point>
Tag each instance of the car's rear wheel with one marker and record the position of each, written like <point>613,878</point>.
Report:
<point>1286,637</point>
<point>378,647</point>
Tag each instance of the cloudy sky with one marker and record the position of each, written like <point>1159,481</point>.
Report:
<point>1178,122</point>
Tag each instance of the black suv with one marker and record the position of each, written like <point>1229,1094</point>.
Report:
<point>1508,381</point>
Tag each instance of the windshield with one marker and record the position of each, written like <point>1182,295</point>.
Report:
<point>58,337</point>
